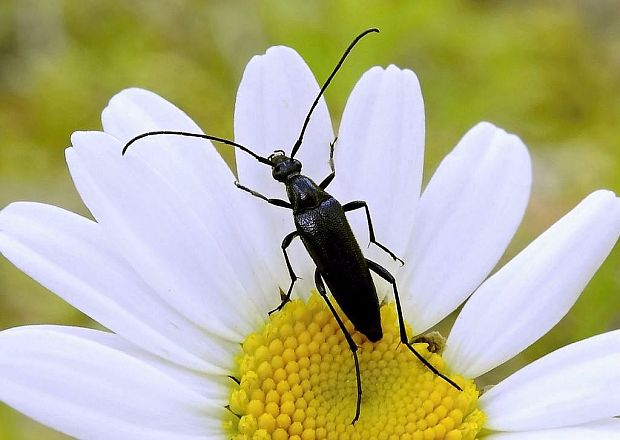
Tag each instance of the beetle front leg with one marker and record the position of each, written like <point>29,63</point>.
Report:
<point>383,273</point>
<point>277,202</point>
<point>332,167</point>
<point>357,204</point>
<point>352,345</point>
<point>285,244</point>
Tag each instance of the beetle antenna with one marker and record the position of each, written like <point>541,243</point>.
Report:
<point>329,80</point>
<point>196,135</point>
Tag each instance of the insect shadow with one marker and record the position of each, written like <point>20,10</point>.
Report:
<point>322,226</point>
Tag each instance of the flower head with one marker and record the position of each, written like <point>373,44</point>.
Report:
<point>182,268</point>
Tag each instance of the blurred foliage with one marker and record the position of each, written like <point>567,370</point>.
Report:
<point>547,70</point>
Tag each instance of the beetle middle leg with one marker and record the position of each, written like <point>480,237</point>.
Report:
<point>357,204</point>
<point>352,345</point>
<point>285,244</point>
<point>383,273</point>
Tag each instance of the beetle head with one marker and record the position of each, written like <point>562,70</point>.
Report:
<point>283,167</point>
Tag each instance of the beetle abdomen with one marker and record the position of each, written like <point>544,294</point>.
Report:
<point>328,237</point>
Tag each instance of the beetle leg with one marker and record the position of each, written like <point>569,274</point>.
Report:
<point>357,204</point>
<point>383,273</point>
<point>332,167</point>
<point>352,345</point>
<point>277,202</point>
<point>286,243</point>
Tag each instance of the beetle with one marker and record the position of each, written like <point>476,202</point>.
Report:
<point>321,224</point>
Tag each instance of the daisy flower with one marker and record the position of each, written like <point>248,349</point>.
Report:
<point>182,268</point>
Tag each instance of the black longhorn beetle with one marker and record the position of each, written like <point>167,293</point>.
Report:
<point>322,225</point>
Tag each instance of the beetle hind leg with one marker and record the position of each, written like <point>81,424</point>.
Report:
<point>387,276</point>
<point>352,345</point>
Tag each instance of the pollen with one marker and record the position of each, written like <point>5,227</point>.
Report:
<point>297,381</point>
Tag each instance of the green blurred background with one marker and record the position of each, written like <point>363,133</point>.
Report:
<point>546,70</point>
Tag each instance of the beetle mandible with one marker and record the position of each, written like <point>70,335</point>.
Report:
<point>322,226</point>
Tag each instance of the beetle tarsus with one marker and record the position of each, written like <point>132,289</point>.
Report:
<point>284,298</point>
<point>276,202</point>
<point>325,183</point>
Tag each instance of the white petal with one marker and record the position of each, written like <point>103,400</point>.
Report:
<point>274,97</point>
<point>379,157</point>
<point>161,237</point>
<point>71,256</point>
<point>204,182</point>
<point>575,384</point>
<point>135,111</point>
<point>467,215</point>
<point>600,430</point>
<point>215,387</point>
<point>93,391</point>
<point>529,295</point>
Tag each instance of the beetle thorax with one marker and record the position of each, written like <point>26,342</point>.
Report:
<point>303,192</point>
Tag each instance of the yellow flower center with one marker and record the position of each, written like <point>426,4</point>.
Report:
<point>298,382</point>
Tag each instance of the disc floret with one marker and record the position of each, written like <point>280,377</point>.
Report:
<point>297,381</point>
